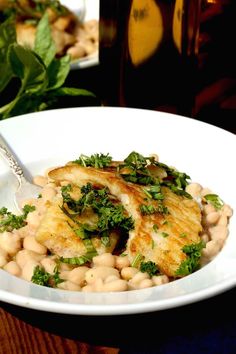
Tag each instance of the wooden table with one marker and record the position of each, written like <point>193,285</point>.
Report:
<point>18,337</point>
<point>208,326</point>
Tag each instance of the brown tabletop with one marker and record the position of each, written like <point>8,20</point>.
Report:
<point>17,336</point>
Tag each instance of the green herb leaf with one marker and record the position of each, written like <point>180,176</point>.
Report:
<point>29,68</point>
<point>149,267</point>
<point>136,261</point>
<point>79,260</point>
<point>214,200</point>
<point>96,160</point>
<point>72,91</point>
<point>41,74</point>
<point>10,221</point>
<point>44,45</point>
<point>41,277</point>
<point>57,73</point>
<point>192,262</point>
<point>7,37</point>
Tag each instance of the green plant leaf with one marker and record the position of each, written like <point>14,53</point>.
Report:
<point>29,68</point>
<point>72,91</point>
<point>58,71</point>
<point>7,37</point>
<point>44,45</point>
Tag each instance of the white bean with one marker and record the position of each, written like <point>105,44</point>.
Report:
<point>105,259</point>
<point>208,208</point>
<point>10,242</point>
<point>12,268</point>
<point>65,274</point>
<point>138,277</point>
<point>98,285</point>
<point>116,285</point>
<point>31,244</point>
<point>223,220</point>
<point>110,278</point>
<point>205,191</point>
<point>121,262</point>
<point>33,219</point>
<point>3,260</point>
<point>212,218</point>
<point>40,180</point>
<point>205,238</point>
<point>24,256</point>
<point>48,193</point>
<point>76,51</point>
<point>3,253</point>
<point>77,275</point>
<point>48,264</point>
<point>227,210</point>
<point>68,285</point>
<point>194,189</point>
<point>87,288</point>
<point>211,249</point>
<point>218,233</point>
<point>99,272</point>
<point>28,269</point>
<point>65,266</point>
<point>160,279</point>
<point>128,273</point>
<point>145,283</point>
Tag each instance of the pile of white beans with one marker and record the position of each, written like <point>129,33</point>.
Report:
<point>87,41</point>
<point>20,253</point>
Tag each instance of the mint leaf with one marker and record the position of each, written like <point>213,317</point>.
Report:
<point>58,71</point>
<point>7,37</point>
<point>73,91</point>
<point>28,67</point>
<point>44,45</point>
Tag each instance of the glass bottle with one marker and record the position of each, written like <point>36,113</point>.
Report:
<point>147,53</point>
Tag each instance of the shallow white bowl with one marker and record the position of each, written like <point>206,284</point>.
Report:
<point>203,151</point>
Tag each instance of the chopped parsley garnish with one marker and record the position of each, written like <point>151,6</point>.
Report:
<point>183,235</point>
<point>79,260</point>
<point>96,160</point>
<point>192,262</point>
<point>41,277</point>
<point>214,200</point>
<point>155,227</point>
<point>110,215</point>
<point>10,221</point>
<point>154,192</point>
<point>149,267</point>
<point>164,234</point>
<point>134,169</point>
<point>136,261</point>
<point>150,209</point>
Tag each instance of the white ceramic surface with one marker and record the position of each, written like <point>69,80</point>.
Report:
<point>205,152</point>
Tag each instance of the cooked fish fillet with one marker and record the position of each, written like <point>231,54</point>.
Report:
<point>161,244</point>
<point>57,234</point>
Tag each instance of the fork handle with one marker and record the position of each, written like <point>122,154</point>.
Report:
<point>14,165</point>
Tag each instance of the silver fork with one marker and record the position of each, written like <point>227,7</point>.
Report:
<point>26,189</point>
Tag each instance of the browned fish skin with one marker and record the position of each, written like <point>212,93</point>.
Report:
<point>161,244</point>
<point>56,233</point>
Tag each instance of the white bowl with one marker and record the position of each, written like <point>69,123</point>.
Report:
<point>203,151</point>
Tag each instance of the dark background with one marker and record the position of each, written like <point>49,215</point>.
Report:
<point>215,85</point>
